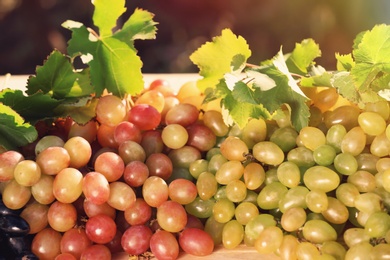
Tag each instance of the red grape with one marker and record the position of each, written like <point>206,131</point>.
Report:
<point>171,216</point>
<point>144,116</point>
<point>195,241</point>
<point>164,245</point>
<point>101,229</point>
<point>136,239</point>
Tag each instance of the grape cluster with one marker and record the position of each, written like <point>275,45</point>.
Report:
<point>162,174</point>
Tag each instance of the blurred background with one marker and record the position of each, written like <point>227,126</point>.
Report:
<point>31,29</point>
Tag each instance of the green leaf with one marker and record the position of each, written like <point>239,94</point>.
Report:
<point>106,14</point>
<point>33,107</point>
<point>14,132</point>
<point>344,62</point>
<point>140,26</point>
<point>319,77</point>
<point>227,53</point>
<point>302,57</point>
<point>117,68</point>
<point>344,83</point>
<point>371,56</point>
<point>57,78</point>
<point>81,111</point>
<point>83,41</point>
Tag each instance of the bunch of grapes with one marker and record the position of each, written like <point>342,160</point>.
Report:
<point>162,174</point>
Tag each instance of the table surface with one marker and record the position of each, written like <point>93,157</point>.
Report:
<point>175,80</point>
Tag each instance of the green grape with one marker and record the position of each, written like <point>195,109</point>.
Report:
<point>207,185</point>
<point>268,153</point>
<point>257,224</point>
<point>364,181</point>
<point>48,141</point>
<point>223,210</point>
<point>382,164</point>
<point>251,196</point>
<point>245,211</point>
<point>197,167</point>
<point>200,208</point>
<point>307,250</point>
<point>271,175</point>
<point>293,219</point>
<point>353,216</point>
<point>254,131</point>
<point>385,179</point>
<point>312,137</point>
<point>347,193</point>
<point>254,175</point>
<point>27,173</point>
<point>380,252</point>
<point>301,156</point>
<point>294,197</point>
<point>236,190</point>
<point>362,217</point>
<point>221,193</point>
<point>335,135</point>
<point>318,231</point>
<point>354,141</point>
<point>315,118</point>
<point>372,123</point>
<point>269,240</point>
<point>382,108</point>
<point>288,248</point>
<point>321,178</point>
<point>380,146</point>
<point>215,162</point>
<point>214,228</point>
<point>184,156</point>
<point>367,162</point>
<point>213,119</point>
<point>229,171</point>
<point>345,163</point>
<point>233,148</point>
<point>324,155</point>
<point>270,195</point>
<point>377,224</point>
<point>285,138</point>
<point>337,212</point>
<point>368,202</point>
<point>289,174</point>
<point>213,151</point>
<point>358,251</point>
<point>316,201</point>
<point>232,234</point>
<point>334,249</point>
<point>354,236</point>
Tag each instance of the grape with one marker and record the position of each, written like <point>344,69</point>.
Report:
<point>269,240</point>
<point>15,196</point>
<point>110,110</point>
<point>288,247</point>
<point>318,231</point>
<point>91,209</point>
<point>354,141</point>
<point>236,190</point>
<point>111,165</point>
<point>122,196</point>
<point>27,173</point>
<point>200,208</point>
<point>36,216</point>
<point>155,191</point>
<point>293,219</point>
<point>268,153</point>
<point>359,250</point>
<point>95,187</point>
<point>75,241</point>
<point>8,162</point>
<point>306,250</point>
<point>139,213</point>
<point>372,123</point>
<point>87,131</point>
<point>346,116</point>
<point>153,98</point>
<point>234,149</point>
<point>47,243</point>
<point>229,171</point>
<point>152,142</point>
<point>364,181</point>
<point>127,131</point>
<point>144,116</point>
<point>232,234</point>
<point>245,211</point>
<point>184,156</point>
<point>285,138</point>
<point>312,137</point>
<point>135,173</point>
<point>182,191</point>
<point>206,185</point>
<point>345,163</point>
<point>214,121</point>
<point>42,191</point>
<point>174,136</point>
<point>270,195</point>
<point>62,216</point>
<point>223,210</point>
<point>136,239</point>
<point>105,136</point>
<point>377,224</point>
<point>160,165</point>
<point>337,212</point>
<point>171,216</point>
<point>321,178</point>
<point>53,159</point>
<point>96,252</point>
<point>79,150</point>
<point>289,174</point>
<point>48,141</point>
<point>100,229</point>
<point>183,114</point>
<point>201,137</point>
<point>68,185</point>
<point>196,242</point>
<point>164,245</point>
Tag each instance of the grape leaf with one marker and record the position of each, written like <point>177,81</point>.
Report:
<point>58,78</point>
<point>344,62</point>
<point>106,15</point>
<point>371,56</point>
<point>302,57</point>
<point>226,54</point>
<point>33,107</point>
<point>318,77</point>
<point>14,132</point>
<point>81,110</point>
<point>114,64</point>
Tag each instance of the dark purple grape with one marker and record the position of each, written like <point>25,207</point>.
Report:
<point>13,225</point>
